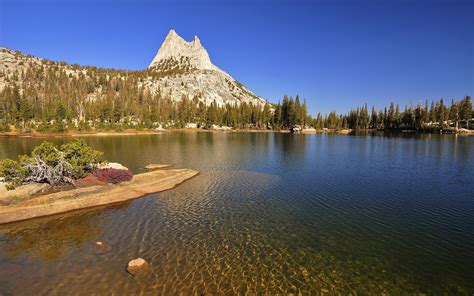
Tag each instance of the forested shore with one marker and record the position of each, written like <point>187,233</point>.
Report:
<point>25,114</point>
<point>52,97</point>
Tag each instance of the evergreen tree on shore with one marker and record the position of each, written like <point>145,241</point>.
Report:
<point>61,100</point>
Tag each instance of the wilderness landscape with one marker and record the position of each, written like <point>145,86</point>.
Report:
<point>205,148</point>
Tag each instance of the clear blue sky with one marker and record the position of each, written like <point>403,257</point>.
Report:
<point>337,54</point>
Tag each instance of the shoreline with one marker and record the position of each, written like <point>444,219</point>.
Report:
<point>132,132</point>
<point>71,134</point>
<point>94,196</point>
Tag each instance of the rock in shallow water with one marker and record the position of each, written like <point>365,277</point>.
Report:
<point>138,265</point>
<point>102,247</point>
<point>154,166</point>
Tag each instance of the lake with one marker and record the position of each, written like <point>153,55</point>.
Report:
<point>269,213</point>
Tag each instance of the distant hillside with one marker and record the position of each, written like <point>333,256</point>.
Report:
<point>180,88</point>
<point>180,69</point>
<point>180,77</point>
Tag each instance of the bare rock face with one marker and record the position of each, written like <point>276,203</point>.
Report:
<point>188,72</point>
<point>175,47</point>
<point>137,266</point>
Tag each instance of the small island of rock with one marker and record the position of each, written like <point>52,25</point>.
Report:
<point>55,180</point>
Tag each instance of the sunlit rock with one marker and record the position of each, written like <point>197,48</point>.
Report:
<point>137,266</point>
<point>113,165</point>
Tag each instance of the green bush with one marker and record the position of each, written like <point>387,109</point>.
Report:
<point>51,164</point>
<point>4,126</point>
<point>12,172</point>
<point>43,127</point>
<point>84,126</point>
<point>58,127</point>
<point>81,157</point>
<point>47,151</point>
<point>118,128</point>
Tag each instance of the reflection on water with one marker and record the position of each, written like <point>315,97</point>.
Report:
<point>269,213</point>
<point>50,241</point>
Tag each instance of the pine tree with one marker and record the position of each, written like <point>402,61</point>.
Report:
<point>319,122</point>
<point>433,112</point>
<point>391,116</point>
<point>297,117</point>
<point>419,117</point>
<point>454,113</point>
<point>277,122</point>
<point>304,113</point>
<point>426,113</point>
<point>285,112</point>
<point>373,118</point>
<point>291,121</point>
<point>466,110</point>
<point>25,112</point>
<point>365,117</point>
<point>441,112</point>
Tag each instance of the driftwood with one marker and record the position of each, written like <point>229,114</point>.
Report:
<point>41,172</point>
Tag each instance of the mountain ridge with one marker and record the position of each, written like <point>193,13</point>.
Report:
<point>175,46</point>
<point>179,70</point>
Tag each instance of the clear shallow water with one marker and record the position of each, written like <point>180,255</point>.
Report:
<point>269,213</point>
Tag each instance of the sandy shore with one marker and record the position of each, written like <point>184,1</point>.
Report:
<point>93,196</point>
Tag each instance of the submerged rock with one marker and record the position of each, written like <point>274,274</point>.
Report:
<point>102,247</point>
<point>137,266</point>
<point>154,166</point>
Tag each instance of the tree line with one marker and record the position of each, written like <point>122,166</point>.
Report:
<point>432,117</point>
<point>50,97</point>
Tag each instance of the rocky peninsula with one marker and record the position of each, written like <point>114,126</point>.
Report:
<point>26,207</point>
<point>73,176</point>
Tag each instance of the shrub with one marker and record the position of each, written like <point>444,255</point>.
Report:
<point>118,128</point>
<point>47,151</point>
<point>51,164</point>
<point>4,126</point>
<point>12,172</point>
<point>81,157</point>
<point>43,128</point>
<point>113,176</point>
<point>84,126</point>
<point>58,127</point>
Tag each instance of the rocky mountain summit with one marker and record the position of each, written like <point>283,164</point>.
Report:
<point>188,71</point>
<point>179,70</point>
<point>174,48</point>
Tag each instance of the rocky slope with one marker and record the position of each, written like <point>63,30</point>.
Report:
<point>180,69</point>
<point>188,70</point>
